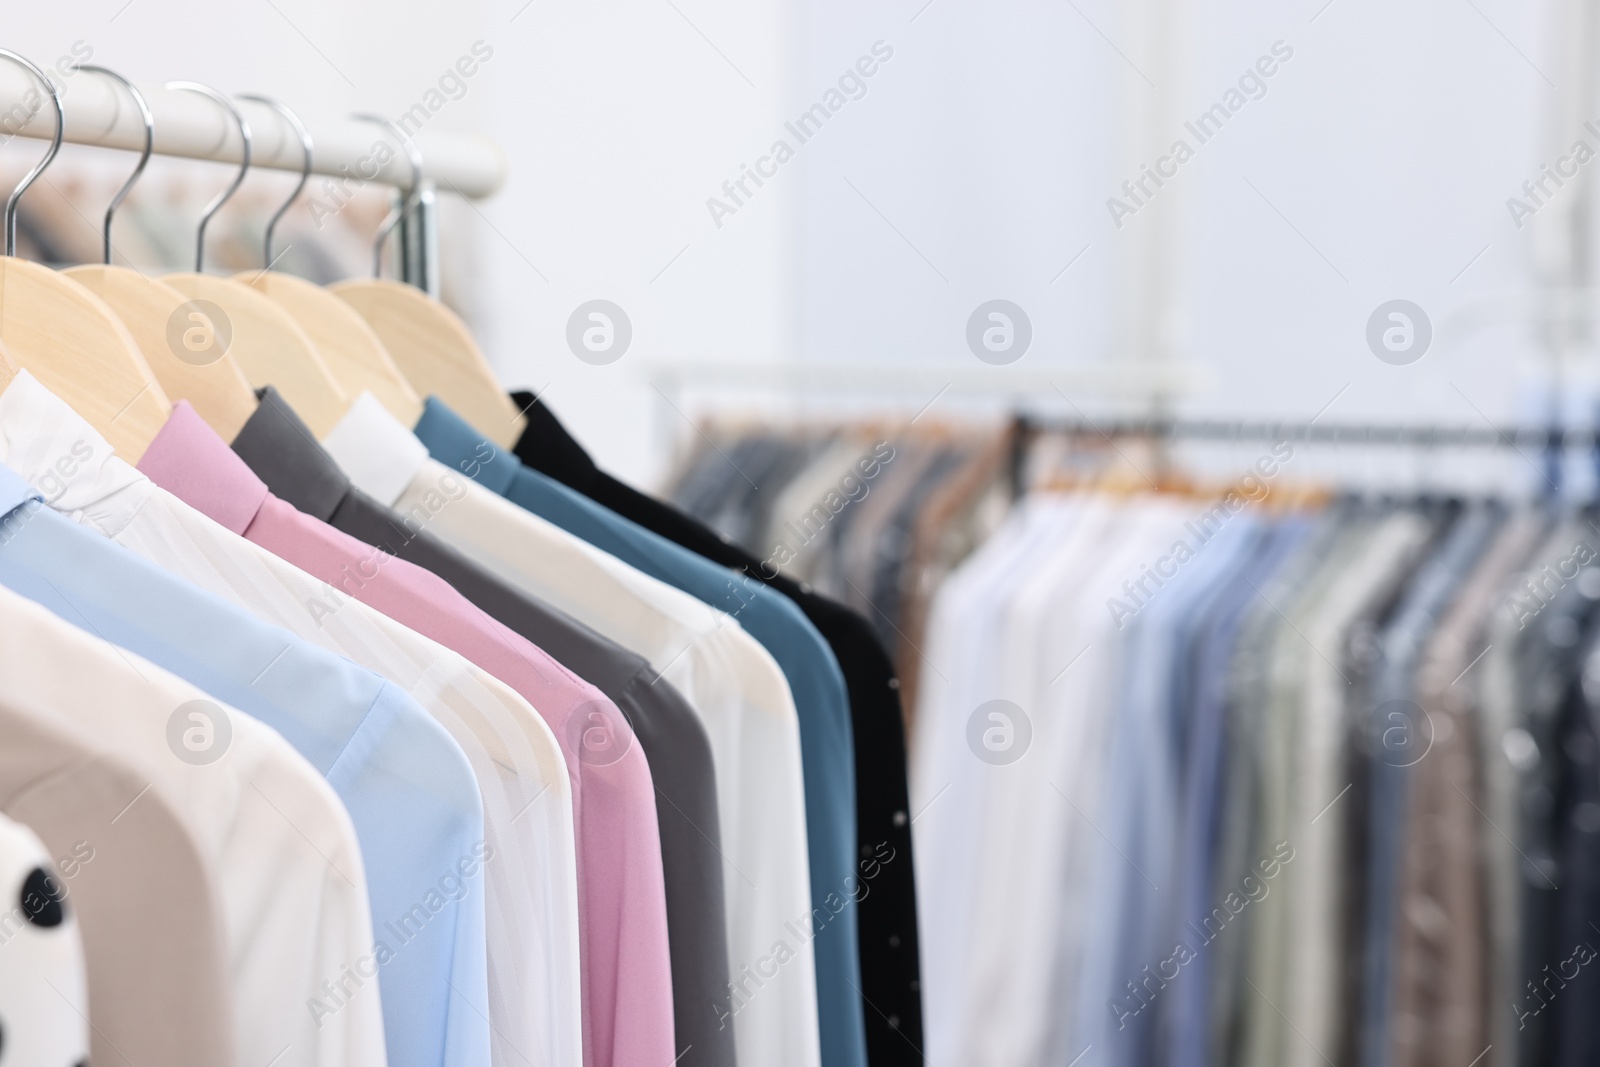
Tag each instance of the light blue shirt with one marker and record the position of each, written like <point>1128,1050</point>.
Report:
<point>407,785</point>
<point>1129,940</point>
<point>1202,703</point>
<point>827,749</point>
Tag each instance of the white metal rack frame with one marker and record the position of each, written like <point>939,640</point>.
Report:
<point>189,126</point>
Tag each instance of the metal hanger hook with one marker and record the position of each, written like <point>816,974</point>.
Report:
<point>144,157</point>
<point>305,167</point>
<point>413,157</point>
<point>222,197</point>
<point>38,168</point>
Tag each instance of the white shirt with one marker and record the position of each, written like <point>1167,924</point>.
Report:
<point>531,885</point>
<point>947,779</point>
<point>278,849</point>
<point>1052,659</point>
<point>1023,620</point>
<point>732,683</point>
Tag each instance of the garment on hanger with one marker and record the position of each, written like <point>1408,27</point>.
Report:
<point>1549,658</point>
<point>531,910</point>
<point>730,680</point>
<point>1574,1033</point>
<point>1203,756</point>
<point>889,943</point>
<point>790,521</point>
<point>1442,999</point>
<point>408,788</point>
<point>1397,734</point>
<point>956,516</point>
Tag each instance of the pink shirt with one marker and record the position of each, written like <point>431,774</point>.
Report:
<point>627,984</point>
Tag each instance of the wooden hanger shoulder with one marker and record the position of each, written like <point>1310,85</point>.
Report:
<point>8,368</point>
<point>437,354</point>
<point>182,350</point>
<point>349,346</point>
<point>271,348</point>
<point>70,340</point>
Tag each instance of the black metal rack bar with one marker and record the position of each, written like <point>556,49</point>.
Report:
<point>1333,433</point>
<point>1546,440</point>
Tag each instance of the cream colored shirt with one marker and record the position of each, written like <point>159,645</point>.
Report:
<point>252,857</point>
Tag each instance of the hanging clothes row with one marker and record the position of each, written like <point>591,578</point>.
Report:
<point>1251,774</point>
<point>360,719</point>
<point>1256,777</point>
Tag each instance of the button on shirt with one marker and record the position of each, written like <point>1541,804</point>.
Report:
<point>258,815</point>
<point>41,971</point>
<point>407,785</point>
<point>731,680</point>
<point>530,887</point>
<point>814,678</point>
<point>627,991</point>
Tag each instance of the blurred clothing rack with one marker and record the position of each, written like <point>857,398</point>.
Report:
<point>1414,436</point>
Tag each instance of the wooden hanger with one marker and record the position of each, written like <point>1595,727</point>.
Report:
<point>68,337</point>
<point>179,344</point>
<point>430,344</point>
<point>437,354</point>
<point>352,350</point>
<point>269,346</point>
<point>349,347</point>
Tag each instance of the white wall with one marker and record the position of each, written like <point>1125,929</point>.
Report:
<point>1376,166</point>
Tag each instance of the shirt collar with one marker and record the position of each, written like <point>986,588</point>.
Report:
<point>191,462</point>
<point>65,459</point>
<point>280,449</point>
<point>453,442</point>
<point>546,445</point>
<point>375,449</point>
